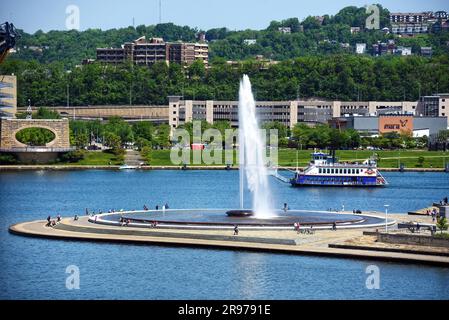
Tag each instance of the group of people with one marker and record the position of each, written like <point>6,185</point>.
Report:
<point>298,229</point>
<point>164,207</point>
<point>52,222</point>
<point>124,222</point>
<point>434,213</point>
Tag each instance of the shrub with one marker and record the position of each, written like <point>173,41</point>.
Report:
<point>7,159</point>
<point>73,156</point>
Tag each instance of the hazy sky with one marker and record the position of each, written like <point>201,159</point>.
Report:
<point>32,15</point>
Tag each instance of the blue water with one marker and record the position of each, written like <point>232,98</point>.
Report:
<point>35,268</point>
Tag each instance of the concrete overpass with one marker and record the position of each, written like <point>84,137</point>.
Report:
<point>157,114</point>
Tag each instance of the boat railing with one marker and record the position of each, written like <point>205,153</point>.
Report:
<point>357,165</point>
<point>379,175</point>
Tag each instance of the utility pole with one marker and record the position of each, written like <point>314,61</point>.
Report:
<point>68,96</point>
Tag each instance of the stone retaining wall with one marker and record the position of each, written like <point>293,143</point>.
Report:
<point>412,239</point>
<point>129,231</point>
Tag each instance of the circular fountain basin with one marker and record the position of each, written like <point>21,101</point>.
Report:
<point>230,218</point>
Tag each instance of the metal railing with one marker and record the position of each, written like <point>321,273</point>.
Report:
<point>36,149</point>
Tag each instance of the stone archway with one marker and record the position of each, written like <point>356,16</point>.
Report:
<point>10,127</point>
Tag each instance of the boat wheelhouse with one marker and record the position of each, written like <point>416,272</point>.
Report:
<point>325,170</point>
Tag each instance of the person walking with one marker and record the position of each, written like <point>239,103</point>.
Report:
<point>236,230</point>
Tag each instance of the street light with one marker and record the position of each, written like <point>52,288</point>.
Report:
<point>386,215</point>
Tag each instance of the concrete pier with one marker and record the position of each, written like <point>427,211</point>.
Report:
<point>321,243</point>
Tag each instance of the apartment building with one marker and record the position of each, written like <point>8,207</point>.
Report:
<point>410,24</point>
<point>143,52</point>
<point>410,17</point>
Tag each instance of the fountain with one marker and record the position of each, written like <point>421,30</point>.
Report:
<point>254,176</point>
<point>252,158</point>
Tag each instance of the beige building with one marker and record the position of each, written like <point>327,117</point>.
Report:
<point>8,96</point>
<point>287,112</point>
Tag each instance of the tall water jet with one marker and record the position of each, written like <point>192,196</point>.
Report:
<point>252,154</point>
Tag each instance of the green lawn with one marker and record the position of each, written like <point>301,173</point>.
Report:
<point>287,157</point>
<point>96,158</point>
<point>388,159</point>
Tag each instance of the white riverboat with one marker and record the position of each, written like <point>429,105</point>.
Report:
<point>325,170</point>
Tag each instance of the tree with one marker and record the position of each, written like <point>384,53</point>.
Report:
<point>442,224</point>
<point>120,128</point>
<point>45,113</point>
<point>112,140</point>
<point>311,23</point>
<point>163,135</point>
<point>282,130</point>
<point>82,140</point>
<point>142,143</point>
<point>143,129</point>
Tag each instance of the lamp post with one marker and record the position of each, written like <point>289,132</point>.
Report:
<point>386,217</point>
<point>29,111</point>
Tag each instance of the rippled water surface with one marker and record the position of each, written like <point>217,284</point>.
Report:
<point>35,268</point>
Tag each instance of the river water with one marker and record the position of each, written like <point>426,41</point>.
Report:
<point>36,268</point>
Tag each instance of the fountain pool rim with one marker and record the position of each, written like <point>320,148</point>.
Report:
<point>167,219</point>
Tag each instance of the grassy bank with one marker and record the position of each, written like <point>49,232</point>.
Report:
<point>288,158</point>
<point>98,158</point>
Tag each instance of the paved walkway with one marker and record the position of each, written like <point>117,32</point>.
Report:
<point>317,244</point>
<point>133,158</point>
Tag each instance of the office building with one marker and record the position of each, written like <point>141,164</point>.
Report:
<point>8,96</point>
<point>289,113</point>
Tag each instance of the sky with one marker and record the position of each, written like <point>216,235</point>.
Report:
<point>33,15</point>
